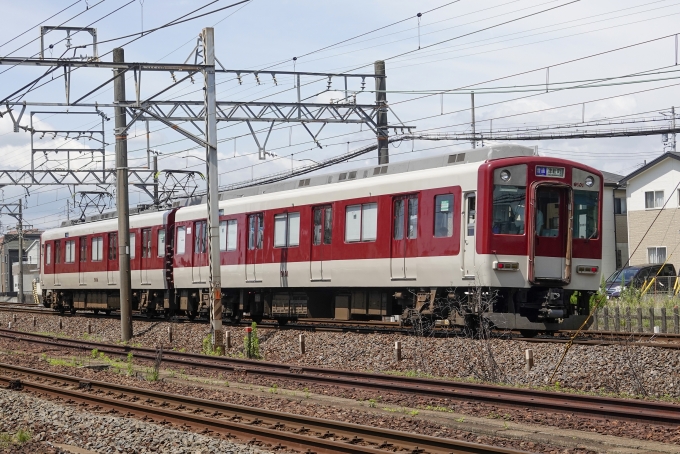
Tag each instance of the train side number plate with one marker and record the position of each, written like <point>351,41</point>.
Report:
<point>550,172</point>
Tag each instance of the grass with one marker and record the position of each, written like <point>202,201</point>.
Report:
<point>73,362</point>
<point>20,437</point>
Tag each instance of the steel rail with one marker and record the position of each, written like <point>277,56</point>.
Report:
<point>587,405</point>
<point>293,431</point>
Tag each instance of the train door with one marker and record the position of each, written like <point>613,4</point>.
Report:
<point>58,258</point>
<point>469,219</point>
<point>550,229</point>
<point>404,237</point>
<point>145,259</point>
<point>112,260</point>
<point>200,254</point>
<point>322,235</point>
<point>82,260</point>
<point>254,250</point>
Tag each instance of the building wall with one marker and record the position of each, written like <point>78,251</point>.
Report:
<point>664,232</point>
<point>608,237</point>
<point>664,176</point>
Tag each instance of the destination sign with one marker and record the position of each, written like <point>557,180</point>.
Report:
<point>550,172</point>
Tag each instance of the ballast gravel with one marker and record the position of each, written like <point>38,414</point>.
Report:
<point>619,369</point>
<point>52,424</point>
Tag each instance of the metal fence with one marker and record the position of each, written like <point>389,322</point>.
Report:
<point>638,320</point>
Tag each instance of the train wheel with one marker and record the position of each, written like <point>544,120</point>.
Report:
<point>62,310</point>
<point>257,319</point>
<point>96,311</point>
<point>282,321</point>
<point>150,313</point>
<point>73,311</point>
<point>528,333</point>
<point>107,312</point>
<point>192,314</point>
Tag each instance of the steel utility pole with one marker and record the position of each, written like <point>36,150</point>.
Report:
<point>381,115</point>
<point>208,37</point>
<point>20,231</point>
<point>673,115</point>
<point>474,142</point>
<point>122,199</point>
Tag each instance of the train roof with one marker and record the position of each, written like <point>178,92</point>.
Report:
<point>107,225</point>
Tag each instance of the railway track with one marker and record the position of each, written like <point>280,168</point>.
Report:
<point>281,430</point>
<point>586,405</point>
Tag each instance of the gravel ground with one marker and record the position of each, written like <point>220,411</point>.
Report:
<point>293,396</point>
<point>632,370</point>
<point>55,423</point>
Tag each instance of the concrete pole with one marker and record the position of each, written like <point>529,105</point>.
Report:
<point>474,142</point>
<point>381,104</point>
<point>208,36</point>
<point>122,202</point>
<point>20,231</point>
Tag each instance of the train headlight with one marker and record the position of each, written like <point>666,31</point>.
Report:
<point>590,181</point>
<point>505,175</point>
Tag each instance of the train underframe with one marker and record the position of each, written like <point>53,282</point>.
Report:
<point>530,310</point>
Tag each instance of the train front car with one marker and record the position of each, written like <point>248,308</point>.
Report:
<point>539,242</point>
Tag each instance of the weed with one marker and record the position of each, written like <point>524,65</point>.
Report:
<point>152,374</point>
<point>22,436</point>
<point>505,425</point>
<point>208,348</point>
<point>460,420</point>
<point>441,409</point>
<point>414,413</point>
<point>171,373</point>
<point>130,367</point>
<point>371,403</point>
<point>73,362</point>
<point>5,440</point>
<point>274,389</point>
<point>226,383</point>
<point>306,391</point>
<point>94,353</point>
<point>43,357</point>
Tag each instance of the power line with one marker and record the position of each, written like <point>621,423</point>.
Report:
<point>40,23</point>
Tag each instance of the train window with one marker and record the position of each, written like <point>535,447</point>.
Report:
<point>97,249</point>
<point>48,254</point>
<point>548,203</point>
<point>200,237</point>
<point>113,246</point>
<point>223,235</point>
<point>161,243</point>
<point>361,222</point>
<point>399,211</point>
<point>232,236</point>
<point>443,215</point>
<point>70,252</point>
<point>255,231</point>
<point>586,207</point>
<point>323,225</point>
<point>181,240</point>
<point>133,244</point>
<point>57,251</point>
<point>508,209</point>
<point>471,213</point>
<point>83,248</point>
<point>398,219</point>
<point>146,243</point>
<point>287,230</point>
<point>412,217</point>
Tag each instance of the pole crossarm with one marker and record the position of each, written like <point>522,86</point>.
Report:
<point>11,209</point>
<point>70,64</point>
<point>58,177</point>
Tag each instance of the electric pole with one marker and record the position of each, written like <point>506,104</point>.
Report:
<point>208,37</point>
<point>122,199</point>
<point>20,231</point>
<point>474,142</point>
<point>381,115</point>
<point>673,116</point>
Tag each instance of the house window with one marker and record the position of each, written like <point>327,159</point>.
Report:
<point>48,254</point>
<point>361,222</point>
<point>620,205</point>
<point>200,237</point>
<point>97,248</point>
<point>654,199</point>
<point>83,249</point>
<point>443,215</point>
<point>287,230</point>
<point>113,246</point>
<point>161,243</point>
<point>656,254</point>
<point>181,240</point>
<point>228,235</point>
<point>133,243</point>
<point>70,251</point>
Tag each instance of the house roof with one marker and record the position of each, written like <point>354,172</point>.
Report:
<point>650,164</point>
<point>611,179</point>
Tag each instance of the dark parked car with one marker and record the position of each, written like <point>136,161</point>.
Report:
<point>636,276</point>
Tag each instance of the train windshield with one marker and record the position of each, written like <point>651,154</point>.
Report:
<point>508,209</point>
<point>586,204</point>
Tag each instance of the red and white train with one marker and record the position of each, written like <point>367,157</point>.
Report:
<point>494,233</point>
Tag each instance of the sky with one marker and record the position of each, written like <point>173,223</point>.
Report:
<point>621,55</point>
